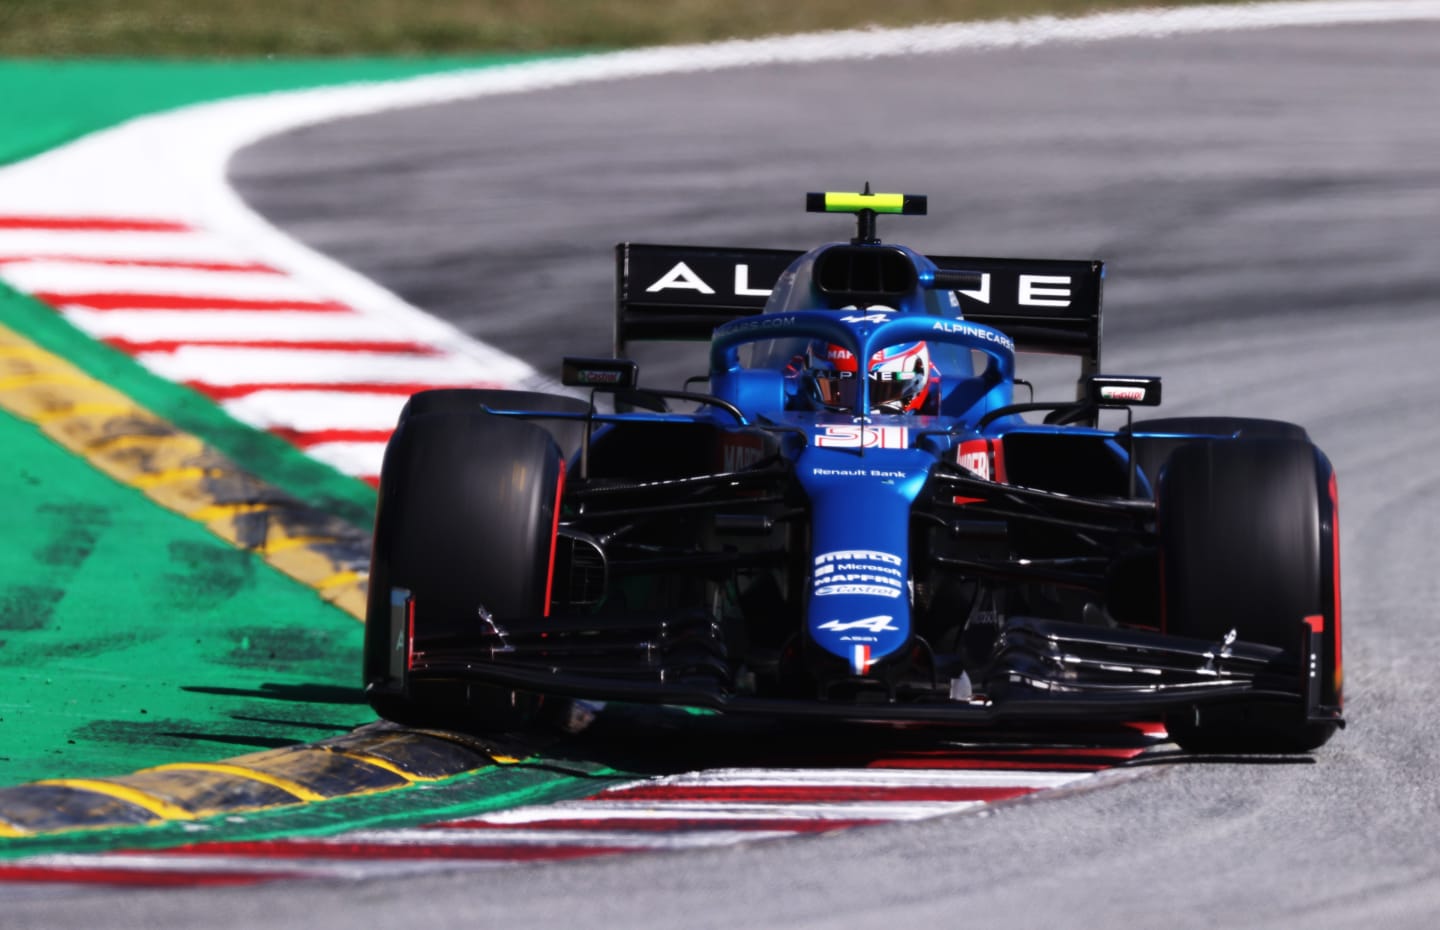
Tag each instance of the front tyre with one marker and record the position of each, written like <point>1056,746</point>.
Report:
<point>1156,439</point>
<point>1246,541</point>
<point>465,523</point>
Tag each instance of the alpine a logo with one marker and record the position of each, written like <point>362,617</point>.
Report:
<point>877,624</point>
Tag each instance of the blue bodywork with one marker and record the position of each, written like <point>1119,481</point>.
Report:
<point>862,473</point>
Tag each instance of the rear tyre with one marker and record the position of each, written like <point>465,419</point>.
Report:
<point>1242,544</point>
<point>466,520</point>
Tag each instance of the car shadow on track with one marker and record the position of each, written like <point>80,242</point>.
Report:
<point>663,741</point>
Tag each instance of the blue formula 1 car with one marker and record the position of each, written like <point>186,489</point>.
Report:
<point>857,519</point>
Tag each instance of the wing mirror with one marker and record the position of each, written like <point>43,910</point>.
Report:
<point>1123,390</point>
<point>601,374</point>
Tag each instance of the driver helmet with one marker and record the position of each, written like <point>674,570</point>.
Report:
<point>899,377</point>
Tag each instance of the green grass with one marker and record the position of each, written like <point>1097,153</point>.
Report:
<point>304,28</point>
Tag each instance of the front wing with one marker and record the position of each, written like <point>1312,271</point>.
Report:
<point>1046,671</point>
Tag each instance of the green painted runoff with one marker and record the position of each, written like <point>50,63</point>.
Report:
<point>130,636</point>
<point>45,103</point>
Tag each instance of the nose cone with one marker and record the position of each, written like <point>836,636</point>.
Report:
<point>859,605</point>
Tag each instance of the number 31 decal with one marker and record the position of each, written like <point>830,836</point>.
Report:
<point>859,436</point>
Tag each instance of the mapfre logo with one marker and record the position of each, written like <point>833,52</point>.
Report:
<point>740,452</point>
<point>974,455</point>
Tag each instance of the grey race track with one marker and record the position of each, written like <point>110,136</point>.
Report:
<point>1269,206</point>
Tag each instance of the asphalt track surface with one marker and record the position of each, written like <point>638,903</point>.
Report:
<point>1269,205</point>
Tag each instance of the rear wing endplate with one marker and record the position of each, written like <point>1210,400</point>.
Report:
<point>676,292</point>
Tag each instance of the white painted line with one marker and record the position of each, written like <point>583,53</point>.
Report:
<point>223,365</point>
<point>441,838</point>
<point>73,277</point>
<point>181,246</point>
<point>188,325</point>
<point>869,778</point>
<point>202,866</point>
<point>709,810</point>
<point>361,459</point>
<point>314,411</point>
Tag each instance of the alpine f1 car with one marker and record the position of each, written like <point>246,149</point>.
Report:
<point>853,516</point>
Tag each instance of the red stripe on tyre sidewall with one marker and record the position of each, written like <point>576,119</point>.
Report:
<point>554,537</point>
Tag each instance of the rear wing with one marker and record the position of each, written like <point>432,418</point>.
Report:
<point>676,292</point>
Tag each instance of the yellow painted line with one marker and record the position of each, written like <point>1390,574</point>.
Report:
<point>386,765</point>
<point>473,746</point>
<point>158,806</point>
<point>352,600</point>
<point>86,410</point>
<point>169,440</point>
<point>155,480</point>
<point>214,512</point>
<point>174,469</point>
<point>304,543</point>
<point>21,350</point>
<point>340,580</point>
<point>275,781</point>
<point>33,378</point>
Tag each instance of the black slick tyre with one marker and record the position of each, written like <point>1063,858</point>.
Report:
<point>1243,546</point>
<point>1170,433</point>
<point>566,433</point>
<point>465,523</point>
